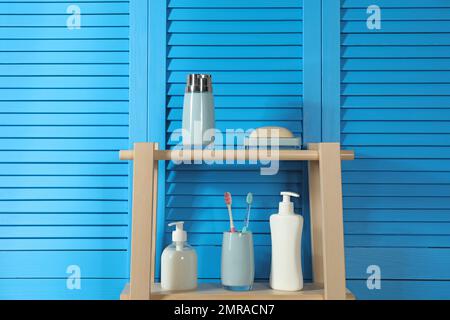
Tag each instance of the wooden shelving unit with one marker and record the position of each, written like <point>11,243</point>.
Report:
<point>327,236</point>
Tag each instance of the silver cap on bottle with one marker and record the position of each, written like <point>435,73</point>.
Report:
<point>199,83</point>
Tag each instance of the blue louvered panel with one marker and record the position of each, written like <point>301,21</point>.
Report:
<point>253,49</point>
<point>64,115</point>
<point>395,100</point>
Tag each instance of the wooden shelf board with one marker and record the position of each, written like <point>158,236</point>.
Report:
<point>214,291</point>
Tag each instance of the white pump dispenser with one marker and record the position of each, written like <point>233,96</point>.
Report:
<point>179,236</point>
<point>287,206</point>
<point>286,234</point>
<point>179,262</point>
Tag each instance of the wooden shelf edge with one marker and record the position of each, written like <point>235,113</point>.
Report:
<point>210,291</point>
<point>236,155</point>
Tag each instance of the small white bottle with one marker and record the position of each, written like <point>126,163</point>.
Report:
<point>198,111</point>
<point>179,262</point>
<point>286,234</point>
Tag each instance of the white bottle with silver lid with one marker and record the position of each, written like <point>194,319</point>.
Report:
<point>179,262</point>
<point>286,234</point>
<point>198,111</point>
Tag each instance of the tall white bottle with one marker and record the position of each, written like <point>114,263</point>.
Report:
<point>286,233</point>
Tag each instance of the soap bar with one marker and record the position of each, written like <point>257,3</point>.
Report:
<point>272,136</point>
<point>266,132</point>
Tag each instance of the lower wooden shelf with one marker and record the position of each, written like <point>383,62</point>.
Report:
<point>214,291</point>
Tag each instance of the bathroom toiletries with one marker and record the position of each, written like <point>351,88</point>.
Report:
<point>198,111</point>
<point>286,234</point>
<point>238,265</point>
<point>179,262</point>
<point>249,200</point>
<point>227,197</point>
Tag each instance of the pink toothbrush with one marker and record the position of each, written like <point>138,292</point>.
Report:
<point>227,197</point>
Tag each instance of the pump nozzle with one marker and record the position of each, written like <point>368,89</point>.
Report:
<point>286,206</point>
<point>179,235</point>
<point>287,194</point>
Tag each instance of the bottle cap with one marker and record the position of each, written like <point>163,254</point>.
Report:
<point>199,83</point>
<point>286,206</point>
<point>178,235</point>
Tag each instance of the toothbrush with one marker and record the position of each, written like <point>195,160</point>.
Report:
<point>227,197</point>
<point>249,206</point>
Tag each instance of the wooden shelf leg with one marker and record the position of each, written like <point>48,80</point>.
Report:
<point>327,220</point>
<point>316,218</point>
<point>143,202</point>
<point>154,216</point>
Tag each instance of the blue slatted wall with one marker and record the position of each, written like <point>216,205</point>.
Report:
<point>253,49</point>
<point>64,115</point>
<point>395,100</point>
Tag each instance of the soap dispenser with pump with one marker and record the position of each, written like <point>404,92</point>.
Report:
<point>286,234</point>
<point>178,262</point>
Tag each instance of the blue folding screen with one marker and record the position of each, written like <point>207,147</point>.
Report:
<point>253,49</point>
<point>395,99</point>
<point>312,66</point>
<point>64,115</point>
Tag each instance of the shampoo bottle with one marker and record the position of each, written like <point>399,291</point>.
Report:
<point>178,262</point>
<point>286,234</point>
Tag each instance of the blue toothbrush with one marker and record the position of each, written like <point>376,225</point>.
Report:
<point>249,206</point>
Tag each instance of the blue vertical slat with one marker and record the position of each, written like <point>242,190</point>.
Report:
<point>138,87</point>
<point>312,71</point>
<point>312,102</point>
<point>157,31</point>
<point>331,88</point>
